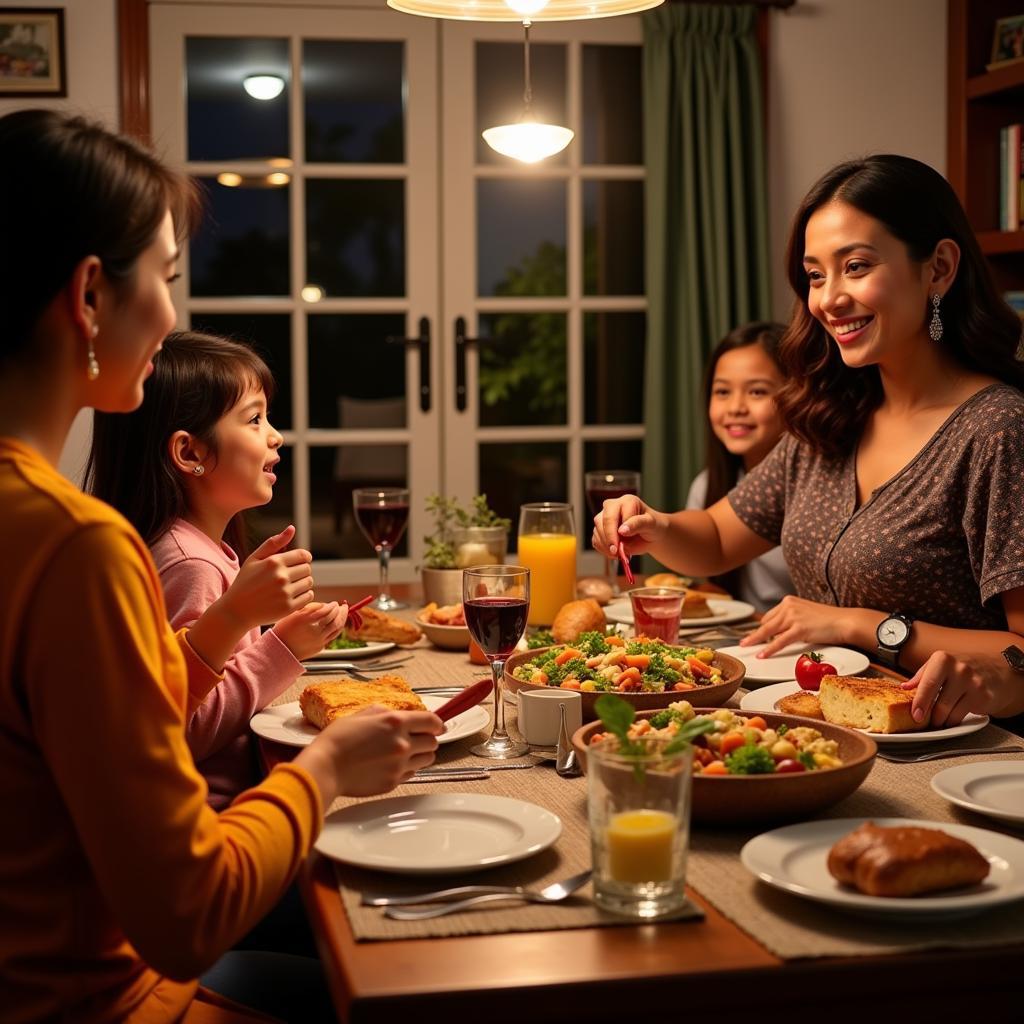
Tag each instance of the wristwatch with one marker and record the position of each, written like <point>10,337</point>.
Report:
<point>892,633</point>
<point>1014,658</point>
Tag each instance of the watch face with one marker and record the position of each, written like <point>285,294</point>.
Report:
<point>893,632</point>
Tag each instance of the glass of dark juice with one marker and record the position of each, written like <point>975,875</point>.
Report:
<point>602,485</point>
<point>382,514</point>
<point>496,601</point>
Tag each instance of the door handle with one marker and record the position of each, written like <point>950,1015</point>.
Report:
<point>423,343</point>
<point>461,341</point>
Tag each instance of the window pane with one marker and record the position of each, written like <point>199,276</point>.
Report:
<point>614,346</point>
<point>356,377</point>
<point>521,237</point>
<point>522,369</point>
<point>270,335</point>
<point>354,101</point>
<point>224,121</point>
<point>613,238</point>
<point>273,517</point>
<point>242,246</point>
<point>612,105</point>
<point>511,474</point>
<point>334,472</point>
<point>613,455</point>
<point>355,233</point>
<point>499,92</point>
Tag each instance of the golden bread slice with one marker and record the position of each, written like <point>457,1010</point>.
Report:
<point>878,705</point>
<point>381,626</point>
<point>804,703</point>
<point>322,703</point>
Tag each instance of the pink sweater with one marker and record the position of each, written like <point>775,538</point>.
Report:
<point>195,572</point>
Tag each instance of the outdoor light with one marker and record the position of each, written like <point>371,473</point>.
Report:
<point>263,87</point>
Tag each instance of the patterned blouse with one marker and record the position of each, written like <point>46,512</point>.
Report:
<point>938,541</point>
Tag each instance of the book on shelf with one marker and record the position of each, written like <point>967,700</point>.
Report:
<point>1011,185</point>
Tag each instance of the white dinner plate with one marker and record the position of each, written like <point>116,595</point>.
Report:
<point>351,653</point>
<point>794,859</point>
<point>722,611</point>
<point>995,788</point>
<point>765,698</point>
<point>782,666</point>
<point>437,833</point>
<point>284,722</point>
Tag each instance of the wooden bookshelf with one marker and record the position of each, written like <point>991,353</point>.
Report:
<point>980,104</point>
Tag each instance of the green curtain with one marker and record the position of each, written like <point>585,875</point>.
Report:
<point>706,245</point>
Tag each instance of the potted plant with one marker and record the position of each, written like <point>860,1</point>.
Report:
<point>462,538</point>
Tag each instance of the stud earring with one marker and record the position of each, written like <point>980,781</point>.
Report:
<point>935,324</point>
<point>199,470</point>
<point>92,370</point>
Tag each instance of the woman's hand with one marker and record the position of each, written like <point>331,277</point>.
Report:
<point>949,689</point>
<point>629,521</point>
<point>311,629</point>
<point>271,584</point>
<point>371,751</point>
<point>797,620</point>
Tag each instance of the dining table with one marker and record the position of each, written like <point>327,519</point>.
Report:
<point>745,951</point>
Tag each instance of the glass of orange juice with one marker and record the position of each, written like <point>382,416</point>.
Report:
<point>547,547</point>
<point>639,810</point>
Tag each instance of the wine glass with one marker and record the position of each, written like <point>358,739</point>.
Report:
<point>602,485</point>
<point>547,547</point>
<point>496,599</point>
<point>382,514</point>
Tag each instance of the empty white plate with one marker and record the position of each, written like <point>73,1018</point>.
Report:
<point>437,833</point>
<point>782,666</point>
<point>794,859</point>
<point>284,723</point>
<point>995,788</point>
<point>766,697</point>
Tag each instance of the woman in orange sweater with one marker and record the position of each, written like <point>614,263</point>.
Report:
<point>118,884</point>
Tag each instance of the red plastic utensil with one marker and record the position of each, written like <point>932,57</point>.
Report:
<point>624,559</point>
<point>470,697</point>
<point>355,620</point>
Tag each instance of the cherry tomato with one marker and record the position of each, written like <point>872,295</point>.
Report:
<point>789,765</point>
<point>810,669</point>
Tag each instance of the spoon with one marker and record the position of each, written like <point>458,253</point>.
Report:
<point>396,906</point>
<point>565,754</point>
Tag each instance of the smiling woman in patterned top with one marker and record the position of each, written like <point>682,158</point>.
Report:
<point>898,495</point>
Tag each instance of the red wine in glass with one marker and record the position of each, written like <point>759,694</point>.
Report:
<point>497,623</point>
<point>384,523</point>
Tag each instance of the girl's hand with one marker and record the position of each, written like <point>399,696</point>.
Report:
<point>948,690</point>
<point>371,752</point>
<point>794,620</point>
<point>311,629</point>
<point>271,583</point>
<point>627,521</point>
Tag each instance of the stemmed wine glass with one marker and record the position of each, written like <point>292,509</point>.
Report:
<point>496,599</point>
<point>602,485</point>
<point>382,514</point>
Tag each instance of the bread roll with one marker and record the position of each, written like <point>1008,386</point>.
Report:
<point>577,617</point>
<point>380,626</point>
<point>593,586</point>
<point>878,705</point>
<point>322,703</point>
<point>695,605</point>
<point>666,579</point>
<point>905,861</point>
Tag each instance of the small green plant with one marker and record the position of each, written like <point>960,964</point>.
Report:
<point>449,515</point>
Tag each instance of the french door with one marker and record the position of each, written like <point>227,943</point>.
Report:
<point>436,315</point>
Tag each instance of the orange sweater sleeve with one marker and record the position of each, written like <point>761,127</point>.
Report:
<point>183,882</point>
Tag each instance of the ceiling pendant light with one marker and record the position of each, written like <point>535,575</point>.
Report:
<point>263,87</point>
<point>527,140</point>
<point>517,10</point>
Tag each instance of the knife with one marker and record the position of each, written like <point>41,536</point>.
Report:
<point>436,777</point>
<point>473,770</point>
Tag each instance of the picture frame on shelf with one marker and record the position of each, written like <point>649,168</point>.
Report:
<point>1007,42</point>
<point>32,52</point>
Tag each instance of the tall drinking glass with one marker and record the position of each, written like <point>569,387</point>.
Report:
<point>547,547</point>
<point>495,599</point>
<point>382,514</point>
<point>602,485</point>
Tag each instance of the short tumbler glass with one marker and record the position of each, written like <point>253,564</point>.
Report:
<point>656,612</point>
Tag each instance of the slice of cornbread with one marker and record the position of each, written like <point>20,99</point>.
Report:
<point>878,705</point>
<point>321,703</point>
<point>803,703</point>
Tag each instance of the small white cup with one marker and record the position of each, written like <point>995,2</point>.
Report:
<point>539,714</point>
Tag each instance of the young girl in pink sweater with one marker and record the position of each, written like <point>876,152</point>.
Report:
<point>182,469</point>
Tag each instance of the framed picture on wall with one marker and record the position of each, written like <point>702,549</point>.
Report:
<point>32,51</point>
<point>1007,41</point>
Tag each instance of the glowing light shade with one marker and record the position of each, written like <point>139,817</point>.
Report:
<point>229,179</point>
<point>516,10</point>
<point>263,87</point>
<point>528,141</point>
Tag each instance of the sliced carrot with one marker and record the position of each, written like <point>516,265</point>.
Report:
<point>684,686</point>
<point>638,660</point>
<point>570,684</point>
<point>567,655</point>
<point>757,722</point>
<point>698,668</point>
<point>732,741</point>
<point>715,768</point>
<point>615,641</point>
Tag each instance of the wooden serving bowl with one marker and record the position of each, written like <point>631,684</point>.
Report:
<point>707,696</point>
<point>744,799</point>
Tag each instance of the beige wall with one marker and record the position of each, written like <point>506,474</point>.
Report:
<point>90,36</point>
<point>846,78</point>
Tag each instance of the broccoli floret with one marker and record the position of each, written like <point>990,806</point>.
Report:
<point>591,644</point>
<point>661,719</point>
<point>542,638</point>
<point>807,760</point>
<point>659,673</point>
<point>750,760</point>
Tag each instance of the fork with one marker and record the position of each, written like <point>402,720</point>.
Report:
<point>354,668</point>
<point>935,755</point>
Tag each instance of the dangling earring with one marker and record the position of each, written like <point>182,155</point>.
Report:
<point>199,470</point>
<point>935,325</point>
<point>92,370</point>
